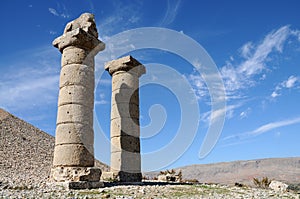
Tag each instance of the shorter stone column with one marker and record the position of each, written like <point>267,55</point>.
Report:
<point>125,126</point>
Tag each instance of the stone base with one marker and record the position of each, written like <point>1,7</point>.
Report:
<point>80,185</point>
<point>108,176</point>
<point>75,174</point>
<point>122,176</point>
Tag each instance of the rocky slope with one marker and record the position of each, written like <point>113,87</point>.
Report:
<point>25,152</point>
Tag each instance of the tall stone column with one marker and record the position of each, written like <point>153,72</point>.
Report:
<point>74,141</point>
<point>125,126</point>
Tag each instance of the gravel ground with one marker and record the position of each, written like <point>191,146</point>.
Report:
<point>147,191</point>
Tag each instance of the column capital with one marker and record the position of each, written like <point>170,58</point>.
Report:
<point>127,64</point>
<point>81,33</point>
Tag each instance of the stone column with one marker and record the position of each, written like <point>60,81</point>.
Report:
<point>125,126</point>
<point>74,141</point>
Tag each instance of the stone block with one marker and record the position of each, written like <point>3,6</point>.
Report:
<point>86,22</point>
<point>124,110</point>
<point>126,161</point>
<point>75,133</point>
<point>108,176</point>
<point>126,177</point>
<point>124,80</point>
<point>127,64</point>
<point>278,186</point>
<point>76,94</point>
<point>124,126</point>
<point>75,55</point>
<point>125,96</point>
<point>73,155</point>
<point>77,74</point>
<point>125,143</point>
<point>75,113</point>
<point>76,174</point>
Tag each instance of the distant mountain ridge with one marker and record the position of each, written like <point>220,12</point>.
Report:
<point>26,152</point>
<point>283,169</point>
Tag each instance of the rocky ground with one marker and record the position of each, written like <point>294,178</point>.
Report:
<point>147,191</point>
<point>26,152</point>
<point>26,157</point>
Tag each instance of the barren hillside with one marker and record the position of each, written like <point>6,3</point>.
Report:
<point>283,169</point>
<point>25,151</point>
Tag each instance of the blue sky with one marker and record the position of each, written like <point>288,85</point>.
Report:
<point>253,44</point>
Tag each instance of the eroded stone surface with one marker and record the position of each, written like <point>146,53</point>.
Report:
<point>76,174</point>
<point>125,127</point>
<point>74,144</point>
<point>77,74</point>
<point>127,143</point>
<point>76,94</point>
<point>71,133</point>
<point>75,113</point>
<point>73,155</point>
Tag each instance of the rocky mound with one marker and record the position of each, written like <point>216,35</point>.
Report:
<point>25,152</point>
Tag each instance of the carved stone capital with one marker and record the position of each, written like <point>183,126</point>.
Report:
<point>127,64</point>
<point>78,38</point>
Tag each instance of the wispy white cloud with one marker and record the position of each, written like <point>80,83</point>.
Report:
<point>53,11</point>
<point>122,17</point>
<point>272,42</point>
<point>171,12</point>
<point>238,77</point>
<point>51,32</point>
<point>60,11</point>
<point>256,59</point>
<point>206,117</point>
<point>290,83</point>
<point>264,129</point>
<point>199,85</point>
<point>246,50</point>
<point>296,33</point>
<point>245,113</point>
<point>30,83</point>
<point>252,68</point>
<point>102,99</point>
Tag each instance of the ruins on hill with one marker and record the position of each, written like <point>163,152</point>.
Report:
<point>73,161</point>
<point>124,124</point>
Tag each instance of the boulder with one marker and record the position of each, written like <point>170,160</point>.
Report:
<point>278,186</point>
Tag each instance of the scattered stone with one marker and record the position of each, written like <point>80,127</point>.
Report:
<point>294,187</point>
<point>278,186</point>
<point>238,184</point>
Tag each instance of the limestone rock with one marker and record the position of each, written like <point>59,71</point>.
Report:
<point>278,186</point>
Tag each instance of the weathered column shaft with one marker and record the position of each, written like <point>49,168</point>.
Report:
<point>125,127</point>
<point>74,141</point>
